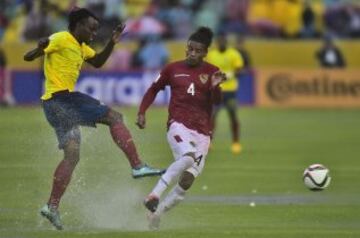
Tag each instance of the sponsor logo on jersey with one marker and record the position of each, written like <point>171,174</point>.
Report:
<point>203,78</point>
<point>182,75</point>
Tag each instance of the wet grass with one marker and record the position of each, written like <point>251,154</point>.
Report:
<point>104,201</point>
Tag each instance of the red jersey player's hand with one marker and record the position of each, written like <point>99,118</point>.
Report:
<point>141,121</point>
<point>117,32</point>
<point>217,78</point>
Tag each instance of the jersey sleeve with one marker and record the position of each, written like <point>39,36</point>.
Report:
<point>54,43</point>
<point>162,80</point>
<point>159,84</point>
<point>88,52</point>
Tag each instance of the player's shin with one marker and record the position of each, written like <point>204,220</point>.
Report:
<point>174,170</point>
<point>123,139</point>
<point>62,177</point>
<point>63,172</point>
<point>174,197</point>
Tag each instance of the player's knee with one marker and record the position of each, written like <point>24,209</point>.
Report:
<point>186,180</point>
<point>111,118</point>
<point>191,154</point>
<point>116,116</point>
<point>72,151</point>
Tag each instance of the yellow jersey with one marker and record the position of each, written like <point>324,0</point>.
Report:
<point>63,59</point>
<point>229,62</point>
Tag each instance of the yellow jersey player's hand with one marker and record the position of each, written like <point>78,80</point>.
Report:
<point>117,32</point>
<point>100,58</point>
<point>217,78</point>
<point>43,43</point>
<point>38,51</point>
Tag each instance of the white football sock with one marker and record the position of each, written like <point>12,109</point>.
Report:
<point>173,198</point>
<point>172,172</point>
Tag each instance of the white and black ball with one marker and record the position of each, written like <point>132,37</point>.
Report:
<point>316,177</point>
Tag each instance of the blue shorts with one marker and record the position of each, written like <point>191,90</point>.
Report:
<point>66,111</point>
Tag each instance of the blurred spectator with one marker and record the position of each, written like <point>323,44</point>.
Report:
<point>3,20</point>
<point>329,56</point>
<point>291,21</point>
<point>354,21</point>
<point>145,25</point>
<point>37,22</point>
<point>135,8</point>
<point>209,14</point>
<point>340,19</point>
<point>136,61</point>
<point>235,19</point>
<point>240,46</point>
<point>236,10</point>
<point>109,19</point>
<point>308,20</point>
<point>161,9</point>
<point>58,17</point>
<point>174,19</point>
<point>154,54</point>
<point>115,9</point>
<point>120,60</point>
<point>181,21</point>
<point>259,19</point>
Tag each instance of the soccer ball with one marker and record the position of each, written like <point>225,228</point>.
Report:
<point>316,177</point>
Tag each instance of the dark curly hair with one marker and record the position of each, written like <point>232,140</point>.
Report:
<point>78,14</point>
<point>202,35</point>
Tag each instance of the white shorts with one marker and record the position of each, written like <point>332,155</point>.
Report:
<point>183,140</point>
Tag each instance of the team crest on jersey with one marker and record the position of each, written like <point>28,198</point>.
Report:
<point>203,78</point>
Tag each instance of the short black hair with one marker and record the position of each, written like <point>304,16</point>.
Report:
<point>202,35</point>
<point>78,14</point>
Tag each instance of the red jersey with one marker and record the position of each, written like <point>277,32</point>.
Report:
<point>192,95</point>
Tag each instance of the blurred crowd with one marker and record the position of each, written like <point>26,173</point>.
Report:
<point>26,20</point>
<point>150,22</point>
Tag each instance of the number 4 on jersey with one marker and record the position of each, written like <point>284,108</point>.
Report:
<point>191,89</point>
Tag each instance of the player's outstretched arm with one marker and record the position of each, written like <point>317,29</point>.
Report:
<point>38,51</point>
<point>99,59</point>
<point>147,100</point>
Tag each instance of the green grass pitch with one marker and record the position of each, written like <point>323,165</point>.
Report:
<point>103,201</point>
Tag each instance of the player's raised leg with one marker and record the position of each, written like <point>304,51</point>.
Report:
<point>124,141</point>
